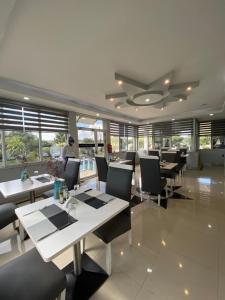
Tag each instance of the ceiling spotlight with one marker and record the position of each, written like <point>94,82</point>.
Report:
<point>180,265</point>
<point>186,292</point>
<point>211,115</point>
<point>163,243</point>
<point>83,118</point>
<point>147,100</point>
<point>129,122</point>
<point>111,99</point>
<point>149,270</point>
<point>189,88</point>
<point>26,98</point>
<point>180,99</point>
<point>97,115</point>
<point>162,108</point>
<point>136,109</point>
<point>118,107</point>
<point>167,81</point>
<point>120,82</point>
<point>172,119</point>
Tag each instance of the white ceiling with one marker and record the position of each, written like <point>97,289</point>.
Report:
<point>71,50</point>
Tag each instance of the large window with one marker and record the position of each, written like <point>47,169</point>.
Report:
<point>182,141</point>
<point>30,133</point>
<point>211,134</point>
<point>21,146</point>
<point>123,137</point>
<point>205,142</point>
<point>115,143</point>
<point>52,144</point>
<point>91,142</point>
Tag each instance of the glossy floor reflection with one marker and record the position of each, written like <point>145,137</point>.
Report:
<point>178,253</point>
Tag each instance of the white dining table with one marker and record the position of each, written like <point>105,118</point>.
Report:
<point>88,220</point>
<point>17,187</point>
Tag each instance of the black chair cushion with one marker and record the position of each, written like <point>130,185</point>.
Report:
<point>120,224</point>
<point>7,214</point>
<point>28,277</point>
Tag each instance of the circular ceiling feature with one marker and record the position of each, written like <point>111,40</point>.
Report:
<point>147,98</point>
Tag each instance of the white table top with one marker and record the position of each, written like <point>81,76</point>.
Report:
<point>16,187</point>
<point>89,219</point>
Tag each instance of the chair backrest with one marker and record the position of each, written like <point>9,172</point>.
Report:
<point>183,151</point>
<point>131,155</point>
<point>71,174</point>
<point>150,174</point>
<point>102,167</point>
<point>169,156</point>
<point>119,181</point>
<point>153,153</point>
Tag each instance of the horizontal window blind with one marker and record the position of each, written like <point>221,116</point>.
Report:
<point>212,128</point>
<point>123,130</point>
<point>172,128</point>
<point>145,130</point>
<point>19,116</point>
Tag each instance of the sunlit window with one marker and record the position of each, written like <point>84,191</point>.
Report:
<point>21,146</point>
<point>52,144</point>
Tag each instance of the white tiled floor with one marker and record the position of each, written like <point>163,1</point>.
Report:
<point>178,253</point>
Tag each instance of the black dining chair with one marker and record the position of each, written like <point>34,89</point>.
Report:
<point>118,185</point>
<point>29,277</point>
<point>170,157</point>
<point>131,155</point>
<point>7,215</point>
<point>151,179</point>
<point>102,169</point>
<point>154,153</point>
<point>71,176</point>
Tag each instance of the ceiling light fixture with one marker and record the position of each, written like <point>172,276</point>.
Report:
<point>120,82</point>
<point>97,115</point>
<point>111,99</point>
<point>209,226</point>
<point>172,119</point>
<point>118,107</point>
<point>211,115</point>
<point>129,122</point>
<point>147,100</point>
<point>180,265</point>
<point>163,243</point>
<point>149,270</point>
<point>26,98</point>
<point>167,81</point>
<point>189,88</point>
<point>186,292</point>
<point>162,108</point>
<point>121,253</point>
<point>180,100</point>
<point>136,109</point>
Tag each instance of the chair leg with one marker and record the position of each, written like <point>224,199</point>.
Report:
<point>159,199</point>
<point>14,225</point>
<point>59,297</point>
<point>83,245</point>
<point>130,237</point>
<point>166,188</point>
<point>108,259</point>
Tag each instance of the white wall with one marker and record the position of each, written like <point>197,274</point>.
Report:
<point>212,157</point>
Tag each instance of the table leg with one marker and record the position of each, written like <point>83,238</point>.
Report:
<point>21,232</point>
<point>32,196</point>
<point>77,259</point>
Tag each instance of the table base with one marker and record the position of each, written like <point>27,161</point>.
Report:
<point>83,286</point>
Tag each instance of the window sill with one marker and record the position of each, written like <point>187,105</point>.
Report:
<point>20,165</point>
